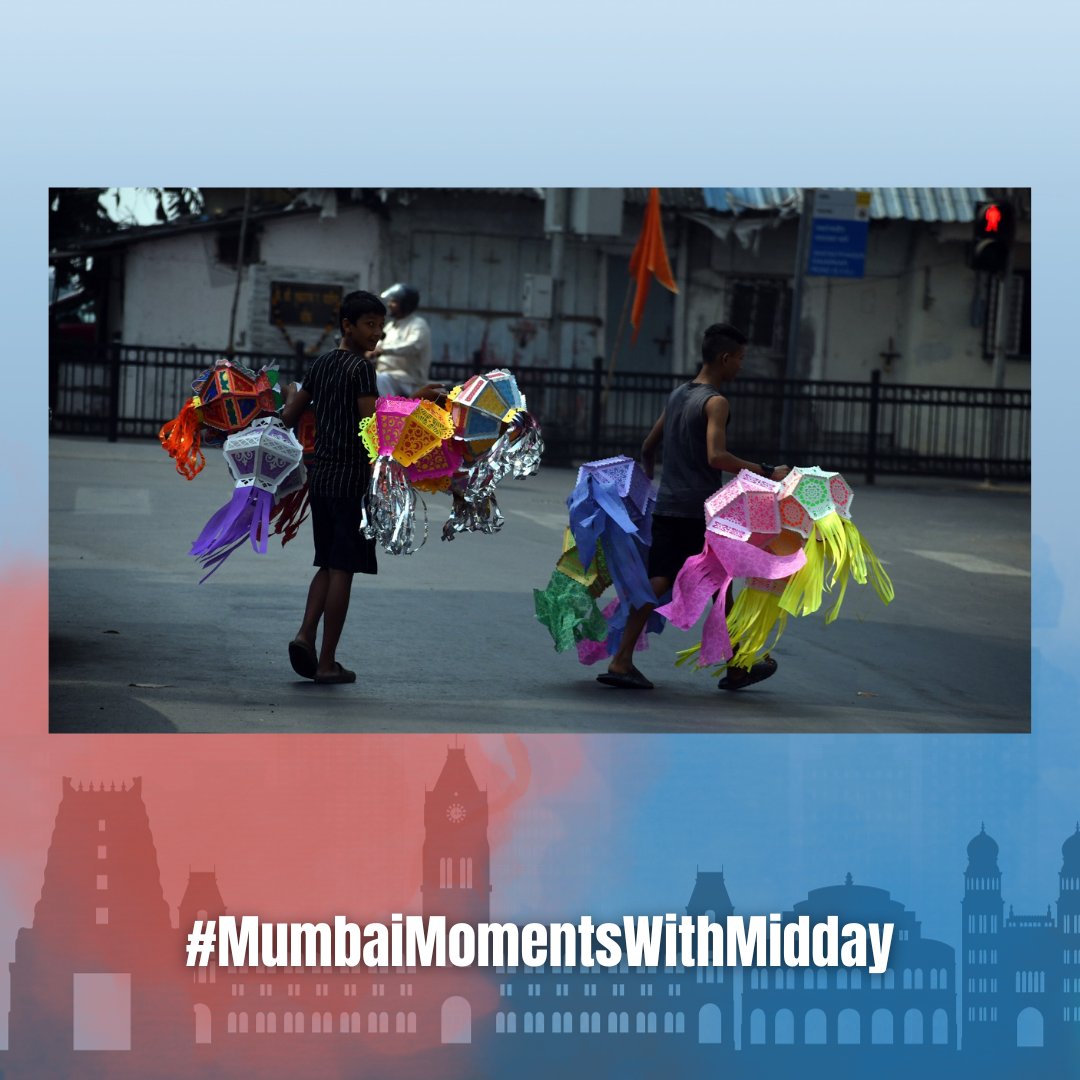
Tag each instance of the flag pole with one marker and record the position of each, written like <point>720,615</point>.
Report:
<point>610,373</point>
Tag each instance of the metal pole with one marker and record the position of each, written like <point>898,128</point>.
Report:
<point>1001,330</point>
<point>682,260</point>
<point>560,201</point>
<point>872,433</point>
<point>596,411</point>
<point>114,391</point>
<point>802,246</point>
<point>615,348</point>
<point>239,268</point>
<point>1004,285</point>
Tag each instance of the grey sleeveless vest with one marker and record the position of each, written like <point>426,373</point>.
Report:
<point>687,479</point>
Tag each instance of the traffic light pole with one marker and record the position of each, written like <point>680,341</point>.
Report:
<point>1001,348</point>
<point>1001,329</point>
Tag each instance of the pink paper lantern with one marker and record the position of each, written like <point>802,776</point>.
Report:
<point>745,508</point>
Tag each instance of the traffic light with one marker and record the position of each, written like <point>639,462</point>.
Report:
<point>991,236</point>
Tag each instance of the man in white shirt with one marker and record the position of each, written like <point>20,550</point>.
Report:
<point>403,356</point>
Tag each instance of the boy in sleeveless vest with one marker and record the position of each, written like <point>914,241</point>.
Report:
<point>693,429</point>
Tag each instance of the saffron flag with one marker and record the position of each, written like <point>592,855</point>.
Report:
<point>649,260</point>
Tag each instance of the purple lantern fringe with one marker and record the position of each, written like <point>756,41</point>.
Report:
<point>245,515</point>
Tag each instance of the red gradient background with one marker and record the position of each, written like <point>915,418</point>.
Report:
<point>294,826</point>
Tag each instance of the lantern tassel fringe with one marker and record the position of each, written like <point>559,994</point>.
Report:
<point>180,439</point>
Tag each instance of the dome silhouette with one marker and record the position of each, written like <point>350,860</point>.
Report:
<point>983,852</point>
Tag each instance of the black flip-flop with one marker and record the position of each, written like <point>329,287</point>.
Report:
<point>759,672</point>
<point>341,675</point>
<point>303,659</point>
<point>630,680</point>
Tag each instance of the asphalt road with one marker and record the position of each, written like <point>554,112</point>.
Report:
<point>446,640</point>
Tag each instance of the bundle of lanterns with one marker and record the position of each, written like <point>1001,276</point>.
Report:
<point>466,449</point>
<point>226,398</point>
<point>606,544</point>
<point>483,435</point>
<point>793,542</point>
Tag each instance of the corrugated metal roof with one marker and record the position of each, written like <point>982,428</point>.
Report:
<point>911,204</point>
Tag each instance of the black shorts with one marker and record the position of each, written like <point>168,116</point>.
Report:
<point>674,540</point>
<point>339,543</point>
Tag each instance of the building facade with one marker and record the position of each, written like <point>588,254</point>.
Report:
<point>920,315</point>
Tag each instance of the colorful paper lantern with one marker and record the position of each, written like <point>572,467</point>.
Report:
<point>815,512</point>
<point>594,577</point>
<point>229,396</point>
<point>410,444</point>
<point>261,460</point>
<point>610,520</point>
<point>810,494</point>
<point>405,429</point>
<point>425,430</point>
<point>626,476</point>
<point>263,455</point>
<point>433,471</point>
<point>745,508</point>
<point>817,505</point>
<point>483,405</point>
<point>568,609</point>
<point>708,576</point>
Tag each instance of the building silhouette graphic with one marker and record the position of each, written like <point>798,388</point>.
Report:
<point>1021,972</point>
<point>99,986</point>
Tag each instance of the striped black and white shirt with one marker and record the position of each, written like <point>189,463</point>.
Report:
<point>335,380</point>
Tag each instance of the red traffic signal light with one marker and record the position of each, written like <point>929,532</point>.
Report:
<point>992,235</point>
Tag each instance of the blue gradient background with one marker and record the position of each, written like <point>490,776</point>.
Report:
<point>674,94</point>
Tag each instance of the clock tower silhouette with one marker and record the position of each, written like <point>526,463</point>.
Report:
<point>457,856</point>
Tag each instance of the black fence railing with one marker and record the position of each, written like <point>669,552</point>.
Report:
<point>873,428</point>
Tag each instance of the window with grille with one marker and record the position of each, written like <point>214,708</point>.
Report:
<point>760,308</point>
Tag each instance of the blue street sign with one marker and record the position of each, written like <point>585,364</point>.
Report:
<point>838,234</point>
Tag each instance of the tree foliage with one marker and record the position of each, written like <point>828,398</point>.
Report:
<point>77,214</point>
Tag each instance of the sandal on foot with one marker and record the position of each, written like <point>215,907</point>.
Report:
<point>339,675</point>
<point>303,658</point>
<point>625,680</point>
<point>738,678</point>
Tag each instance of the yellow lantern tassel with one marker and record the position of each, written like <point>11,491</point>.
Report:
<point>872,570</point>
<point>751,620</point>
<point>688,656</point>
<point>802,596</point>
<point>838,554</point>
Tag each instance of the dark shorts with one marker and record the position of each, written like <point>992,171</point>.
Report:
<point>674,540</point>
<point>339,544</point>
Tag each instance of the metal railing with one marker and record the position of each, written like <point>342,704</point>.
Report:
<point>871,427</point>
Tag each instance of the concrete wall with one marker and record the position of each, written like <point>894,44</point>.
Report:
<point>917,291</point>
<point>469,254</point>
<point>177,293</point>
